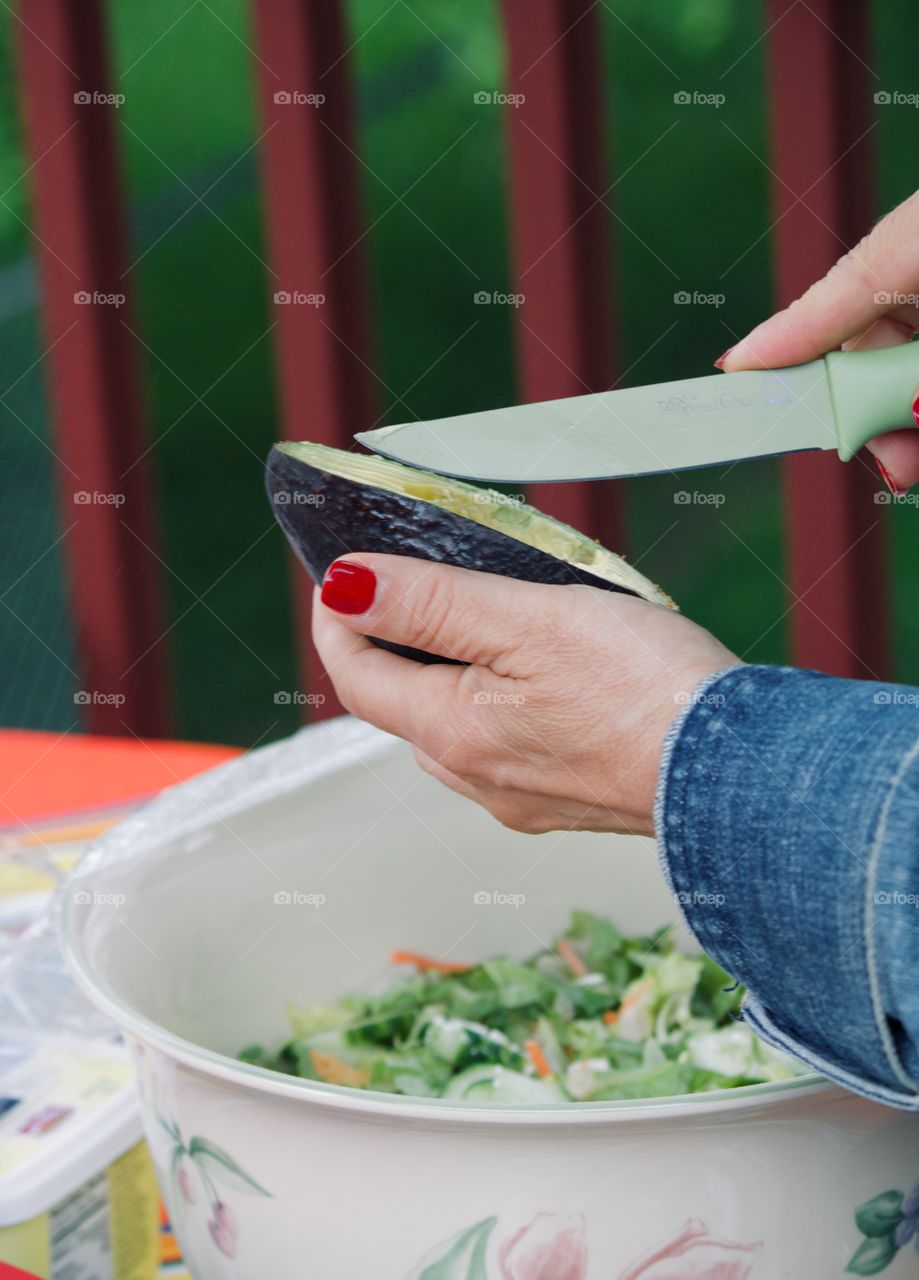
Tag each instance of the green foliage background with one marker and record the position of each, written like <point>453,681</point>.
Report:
<point>692,212</point>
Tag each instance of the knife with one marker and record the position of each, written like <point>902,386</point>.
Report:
<point>837,402</point>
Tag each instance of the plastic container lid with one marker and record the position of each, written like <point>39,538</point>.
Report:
<point>68,1108</point>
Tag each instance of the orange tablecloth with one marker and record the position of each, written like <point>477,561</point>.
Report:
<point>55,777</point>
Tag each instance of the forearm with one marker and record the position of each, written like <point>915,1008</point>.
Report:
<point>788,821</point>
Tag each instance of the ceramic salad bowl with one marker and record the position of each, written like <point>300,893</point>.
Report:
<point>289,876</point>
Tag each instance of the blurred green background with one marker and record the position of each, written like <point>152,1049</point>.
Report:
<point>189,127</point>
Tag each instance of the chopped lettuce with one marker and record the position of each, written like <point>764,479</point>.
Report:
<point>596,1017</point>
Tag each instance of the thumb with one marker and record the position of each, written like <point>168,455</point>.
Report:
<point>460,614</point>
<point>878,278</point>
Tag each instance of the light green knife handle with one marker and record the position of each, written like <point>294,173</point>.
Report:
<point>871,392</point>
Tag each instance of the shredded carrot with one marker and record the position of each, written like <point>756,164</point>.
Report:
<point>334,1071</point>
<point>613,1015</point>
<point>427,963</point>
<point>571,958</point>
<point>538,1058</point>
<point>636,995</point>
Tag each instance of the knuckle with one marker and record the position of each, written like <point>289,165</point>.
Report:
<point>430,602</point>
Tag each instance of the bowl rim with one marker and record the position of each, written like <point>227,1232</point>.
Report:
<point>715,1104</point>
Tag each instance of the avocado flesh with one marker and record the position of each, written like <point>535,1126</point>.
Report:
<point>485,507</point>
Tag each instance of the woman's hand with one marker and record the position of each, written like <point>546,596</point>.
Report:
<point>869,299</point>
<point>558,720</point>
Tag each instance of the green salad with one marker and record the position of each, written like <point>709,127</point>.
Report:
<point>595,1017</point>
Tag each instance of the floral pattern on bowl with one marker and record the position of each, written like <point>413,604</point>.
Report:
<point>889,1222</point>
<point>554,1247</point>
<point>216,1169</point>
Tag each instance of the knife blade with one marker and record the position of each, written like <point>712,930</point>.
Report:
<point>837,402</point>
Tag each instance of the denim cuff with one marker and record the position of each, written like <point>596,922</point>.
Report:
<point>787,817</point>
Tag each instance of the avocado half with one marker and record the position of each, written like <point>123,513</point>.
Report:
<point>329,502</point>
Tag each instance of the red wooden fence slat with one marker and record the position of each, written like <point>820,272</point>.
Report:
<point>820,93</point>
<point>98,436</point>
<point>314,234</point>
<point>560,226</point>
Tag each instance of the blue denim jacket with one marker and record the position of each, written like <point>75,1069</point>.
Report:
<point>788,823</point>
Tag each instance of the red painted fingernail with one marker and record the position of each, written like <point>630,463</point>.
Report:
<point>888,478</point>
<point>719,363</point>
<point>916,411</point>
<point>349,587</point>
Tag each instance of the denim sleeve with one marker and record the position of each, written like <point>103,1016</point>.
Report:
<point>788,824</point>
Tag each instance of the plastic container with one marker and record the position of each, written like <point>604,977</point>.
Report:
<point>78,1194</point>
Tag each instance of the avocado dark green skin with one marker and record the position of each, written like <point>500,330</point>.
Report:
<point>325,516</point>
